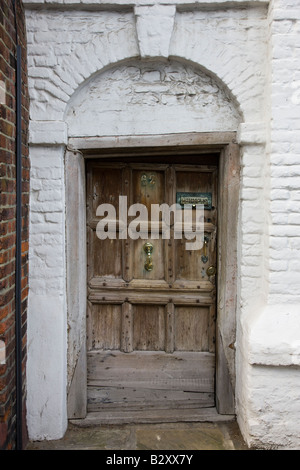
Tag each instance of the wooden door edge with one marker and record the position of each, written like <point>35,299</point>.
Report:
<point>229,187</point>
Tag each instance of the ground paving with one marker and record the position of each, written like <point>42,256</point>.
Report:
<point>173,436</point>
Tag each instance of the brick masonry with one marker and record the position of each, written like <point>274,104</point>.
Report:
<point>8,41</point>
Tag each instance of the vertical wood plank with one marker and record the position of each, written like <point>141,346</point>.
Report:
<point>127,328</point>
<point>126,243</point>
<point>211,331</point>
<point>170,192</point>
<point>105,326</point>
<point>191,328</point>
<point>170,323</point>
<point>229,181</point>
<point>89,235</point>
<point>224,389</point>
<point>89,307</point>
<point>149,327</point>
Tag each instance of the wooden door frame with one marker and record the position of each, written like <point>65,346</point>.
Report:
<point>223,143</point>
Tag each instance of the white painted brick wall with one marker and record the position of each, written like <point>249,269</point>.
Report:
<point>47,274</point>
<point>75,46</point>
<point>285,149</point>
<point>47,416</point>
<point>232,45</point>
<point>267,409</point>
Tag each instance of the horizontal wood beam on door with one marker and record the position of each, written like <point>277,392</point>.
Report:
<point>122,145</point>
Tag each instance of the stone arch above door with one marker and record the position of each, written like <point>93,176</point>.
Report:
<point>143,97</point>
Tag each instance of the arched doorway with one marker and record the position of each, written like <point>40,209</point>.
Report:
<point>165,122</point>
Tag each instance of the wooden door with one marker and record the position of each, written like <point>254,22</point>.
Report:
<point>150,333</point>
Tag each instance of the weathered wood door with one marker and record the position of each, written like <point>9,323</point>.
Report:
<point>151,317</point>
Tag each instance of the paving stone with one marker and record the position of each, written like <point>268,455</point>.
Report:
<point>204,437</point>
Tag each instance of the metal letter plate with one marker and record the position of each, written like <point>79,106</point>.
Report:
<point>193,199</point>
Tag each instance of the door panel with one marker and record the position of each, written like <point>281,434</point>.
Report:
<point>105,325</point>
<point>105,186</point>
<point>148,187</point>
<point>191,328</point>
<point>107,257</point>
<point>139,258</point>
<point>145,318</point>
<point>149,324</point>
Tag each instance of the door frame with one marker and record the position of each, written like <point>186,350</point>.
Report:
<point>81,148</point>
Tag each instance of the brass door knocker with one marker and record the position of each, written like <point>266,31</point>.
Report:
<point>148,248</point>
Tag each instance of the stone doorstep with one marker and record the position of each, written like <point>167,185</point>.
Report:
<point>165,436</point>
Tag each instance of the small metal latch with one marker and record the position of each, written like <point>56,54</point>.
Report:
<point>204,257</point>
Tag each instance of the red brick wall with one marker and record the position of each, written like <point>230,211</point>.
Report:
<point>8,41</point>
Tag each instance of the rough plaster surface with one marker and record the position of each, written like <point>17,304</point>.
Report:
<point>142,97</point>
<point>46,368</point>
<point>83,60</point>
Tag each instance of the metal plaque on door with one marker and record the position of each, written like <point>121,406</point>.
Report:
<point>194,199</point>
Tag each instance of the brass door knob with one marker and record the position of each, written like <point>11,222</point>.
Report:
<point>211,271</point>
